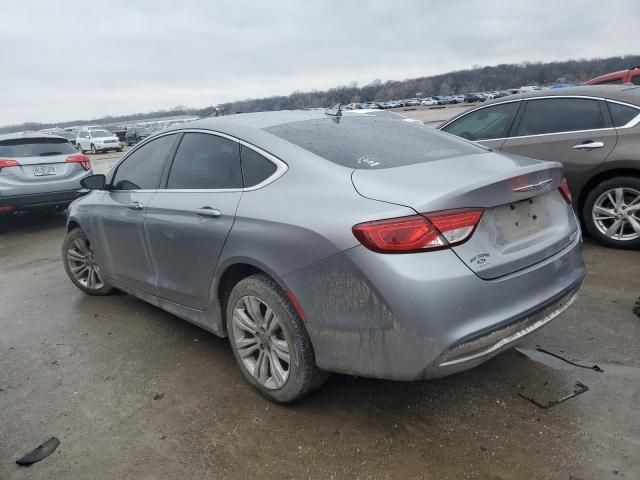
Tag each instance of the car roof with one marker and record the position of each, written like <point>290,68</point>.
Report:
<point>27,135</point>
<point>621,93</point>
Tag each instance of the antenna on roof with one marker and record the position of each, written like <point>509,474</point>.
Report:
<point>334,111</point>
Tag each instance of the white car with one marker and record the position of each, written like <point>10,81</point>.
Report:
<point>428,102</point>
<point>97,141</point>
<point>459,98</point>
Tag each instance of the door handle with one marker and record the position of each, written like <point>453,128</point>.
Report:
<point>208,212</point>
<point>588,145</point>
<point>135,206</point>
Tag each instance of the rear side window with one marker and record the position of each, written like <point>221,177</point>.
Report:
<point>142,169</point>
<point>255,168</point>
<point>369,142</point>
<point>556,115</point>
<point>35,147</point>
<point>486,123</point>
<point>622,114</point>
<point>206,161</point>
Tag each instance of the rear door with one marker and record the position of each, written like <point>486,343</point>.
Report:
<point>118,220</point>
<point>488,125</point>
<point>574,131</point>
<point>188,221</point>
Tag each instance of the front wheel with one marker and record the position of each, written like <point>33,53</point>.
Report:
<point>81,266</point>
<point>93,149</point>
<point>269,341</point>
<point>611,213</point>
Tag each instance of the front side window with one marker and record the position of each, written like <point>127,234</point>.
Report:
<point>206,161</point>
<point>142,169</point>
<point>255,168</point>
<point>557,115</point>
<point>486,123</point>
<point>622,114</point>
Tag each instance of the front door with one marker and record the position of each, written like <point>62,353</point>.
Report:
<point>574,131</point>
<point>119,240</point>
<point>187,223</point>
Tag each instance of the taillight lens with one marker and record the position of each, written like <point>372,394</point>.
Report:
<point>417,233</point>
<point>81,159</point>
<point>8,163</point>
<point>565,191</point>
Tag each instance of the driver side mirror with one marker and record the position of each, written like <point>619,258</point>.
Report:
<point>94,182</point>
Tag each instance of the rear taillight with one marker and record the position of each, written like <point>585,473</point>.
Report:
<point>565,191</point>
<point>8,163</point>
<point>81,159</point>
<point>418,233</point>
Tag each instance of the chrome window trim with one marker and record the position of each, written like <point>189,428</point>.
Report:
<point>632,123</point>
<point>281,166</point>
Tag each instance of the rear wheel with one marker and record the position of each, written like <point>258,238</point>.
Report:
<point>270,342</point>
<point>81,266</point>
<point>611,213</point>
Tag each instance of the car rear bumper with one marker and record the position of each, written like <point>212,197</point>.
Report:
<point>38,200</point>
<point>419,316</point>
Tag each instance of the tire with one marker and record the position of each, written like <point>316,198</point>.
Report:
<point>118,149</point>
<point>601,215</point>
<point>93,149</point>
<point>74,256</point>
<point>79,148</point>
<point>301,374</point>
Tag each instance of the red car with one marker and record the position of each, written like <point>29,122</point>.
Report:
<point>631,76</point>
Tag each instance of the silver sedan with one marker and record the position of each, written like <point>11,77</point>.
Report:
<point>327,242</point>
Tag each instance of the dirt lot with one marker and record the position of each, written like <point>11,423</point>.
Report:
<point>134,392</point>
<point>87,369</point>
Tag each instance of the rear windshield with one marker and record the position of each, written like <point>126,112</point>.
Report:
<point>100,133</point>
<point>35,147</point>
<point>372,142</point>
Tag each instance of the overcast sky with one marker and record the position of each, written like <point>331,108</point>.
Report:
<point>80,60</point>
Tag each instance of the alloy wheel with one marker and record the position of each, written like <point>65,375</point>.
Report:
<point>616,214</point>
<point>82,264</point>
<point>261,342</point>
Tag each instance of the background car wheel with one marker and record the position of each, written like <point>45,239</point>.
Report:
<point>611,213</point>
<point>80,264</point>
<point>79,148</point>
<point>118,149</point>
<point>93,149</point>
<point>269,341</point>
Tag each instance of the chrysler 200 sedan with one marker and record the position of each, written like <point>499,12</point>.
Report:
<point>332,243</point>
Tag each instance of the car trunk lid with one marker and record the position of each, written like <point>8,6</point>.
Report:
<point>525,218</point>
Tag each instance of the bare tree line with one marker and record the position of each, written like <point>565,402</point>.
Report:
<point>475,79</point>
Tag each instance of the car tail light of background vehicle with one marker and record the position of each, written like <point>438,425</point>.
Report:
<point>8,163</point>
<point>419,233</point>
<point>565,191</point>
<point>81,159</point>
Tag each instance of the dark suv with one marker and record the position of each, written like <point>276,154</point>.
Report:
<point>593,130</point>
<point>135,134</point>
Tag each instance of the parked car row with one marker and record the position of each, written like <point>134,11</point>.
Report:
<point>429,101</point>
